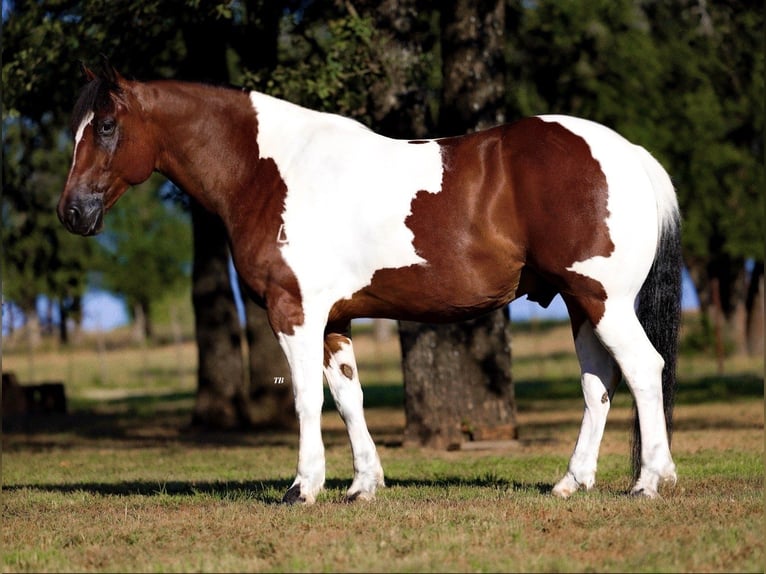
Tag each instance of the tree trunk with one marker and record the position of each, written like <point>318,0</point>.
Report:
<point>271,398</point>
<point>270,389</point>
<point>457,377</point>
<point>473,65</point>
<point>754,306</point>
<point>458,386</point>
<point>221,402</point>
<point>139,324</point>
<point>31,328</point>
<point>63,327</point>
<point>724,292</point>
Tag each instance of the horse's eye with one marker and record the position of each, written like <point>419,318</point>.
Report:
<point>106,127</point>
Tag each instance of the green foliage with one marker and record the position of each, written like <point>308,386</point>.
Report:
<point>145,247</point>
<point>39,257</point>
<point>683,78</point>
<point>586,58</point>
<point>43,43</point>
<point>325,65</point>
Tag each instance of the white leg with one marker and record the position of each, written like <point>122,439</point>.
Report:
<point>304,352</point>
<point>600,377</point>
<point>343,377</point>
<point>641,366</point>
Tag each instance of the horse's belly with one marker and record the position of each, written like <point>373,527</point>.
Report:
<point>421,293</point>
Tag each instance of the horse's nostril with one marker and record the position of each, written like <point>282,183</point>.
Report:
<point>73,213</point>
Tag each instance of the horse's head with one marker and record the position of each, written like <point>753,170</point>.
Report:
<point>113,149</point>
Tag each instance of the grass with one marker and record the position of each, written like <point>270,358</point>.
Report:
<point>122,485</point>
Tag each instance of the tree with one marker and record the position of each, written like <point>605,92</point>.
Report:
<point>685,80</point>
<point>222,399</point>
<point>149,234</point>
<point>41,76</point>
<point>718,158</point>
<point>39,257</point>
<point>43,42</point>
<point>457,377</point>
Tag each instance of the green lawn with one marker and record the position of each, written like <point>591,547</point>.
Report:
<point>120,484</point>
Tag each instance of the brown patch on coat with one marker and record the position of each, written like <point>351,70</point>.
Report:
<point>519,205</point>
<point>347,371</point>
<point>332,344</point>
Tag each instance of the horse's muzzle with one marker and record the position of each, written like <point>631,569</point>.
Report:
<point>83,215</point>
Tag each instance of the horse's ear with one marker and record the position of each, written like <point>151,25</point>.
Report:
<point>87,72</point>
<point>110,74</point>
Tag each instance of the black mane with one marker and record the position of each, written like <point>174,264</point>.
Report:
<point>96,95</point>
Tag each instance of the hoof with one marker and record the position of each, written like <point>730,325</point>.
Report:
<point>358,495</point>
<point>562,493</point>
<point>566,487</point>
<point>647,493</point>
<point>294,496</point>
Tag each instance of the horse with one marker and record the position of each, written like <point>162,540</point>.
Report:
<point>329,221</point>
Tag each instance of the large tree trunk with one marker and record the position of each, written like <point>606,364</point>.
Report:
<point>458,386</point>
<point>270,390</point>
<point>457,377</point>
<point>754,307</point>
<point>221,401</point>
<point>271,398</point>
<point>473,65</point>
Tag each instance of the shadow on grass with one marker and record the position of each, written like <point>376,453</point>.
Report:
<point>155,419</point>
<point>546,392</point>
<point>718,388</point>
<point>268,491</point>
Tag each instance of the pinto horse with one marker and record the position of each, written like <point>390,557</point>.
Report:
<point>329,221</point>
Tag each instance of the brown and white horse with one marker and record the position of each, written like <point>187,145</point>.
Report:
<point>329,221</point>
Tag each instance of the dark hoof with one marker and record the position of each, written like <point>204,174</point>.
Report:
<point>293,496</point>
<point>359,495</point>
<point>349,498</point>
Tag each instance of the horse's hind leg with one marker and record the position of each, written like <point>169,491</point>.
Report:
<point>620,332</point>
<point>343,378</point>
<point>600,376</point>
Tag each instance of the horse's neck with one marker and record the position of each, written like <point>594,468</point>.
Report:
<point>206,139</point>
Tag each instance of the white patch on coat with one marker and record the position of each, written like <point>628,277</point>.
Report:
<point>640,200</point>
<point>77,138</point>
<point>349,192</point>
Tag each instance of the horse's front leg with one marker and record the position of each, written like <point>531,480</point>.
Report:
<point>343,377</point>
<point>303,349</point>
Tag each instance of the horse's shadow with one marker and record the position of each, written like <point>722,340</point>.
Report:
<point>267,492</point>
